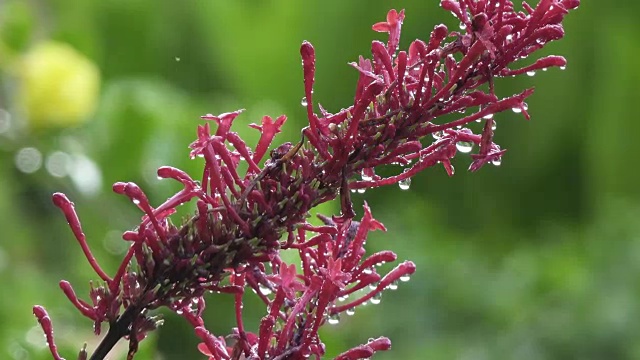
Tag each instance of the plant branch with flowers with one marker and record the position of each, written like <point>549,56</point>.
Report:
<point>244,219</point>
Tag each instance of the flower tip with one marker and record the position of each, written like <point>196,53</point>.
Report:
<point>119,187</point>
<point>440,31</point>
<point>409,267</point>
<point>571,4</point>
<point>381,343</point>
<point>40,312</point>
<point>306,50</point>
<point>60,200</point>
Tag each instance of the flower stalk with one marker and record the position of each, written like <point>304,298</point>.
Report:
<point>243,221</point>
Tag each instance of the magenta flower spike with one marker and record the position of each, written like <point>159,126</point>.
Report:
<point>244,218</point>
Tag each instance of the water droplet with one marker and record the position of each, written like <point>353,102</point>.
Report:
<point>375,300</point>
<point>463,26</point>
<point>437,135</point>
<point>304,101</point>
<point>177,58</point>
<point>373,285</point>
<point>525,106</point>
<point>367,271</point>
<point>516,109</point>
<point>562,67</point>
<point>393,286</point>
<point>264,290</point>
<point>28,160</point>
<point>531,73</point>
<point>545,69</point>
<point>488,116</point>
<point>366,177</point>
<point>343,298</point>
<point>351,311</point>
<point>404,184</point>
<point>509,38</point>
<point>362,190</point>
<point>334,319</point>
<point>464,146</point>
<point>494,126</point>
<point>496,161</point>
<point>405,278</point>
<point>353,191</point>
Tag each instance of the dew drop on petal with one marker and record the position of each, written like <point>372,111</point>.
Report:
<point>351,311</point>
<point>496,162</point>
<point>177,58</point>
<point>405,278</point>
<point>404,184</point>
<point>375,300</point>
<point>516,109</point>
<point>464,146</point>
<point>393,286</point>
<point>264,290</point>
<point>531,73</point>
<point>333,319</point>
<point>304,101</point>
<point>562,67</point>
<point>488,116</point>
<point>361,190</point>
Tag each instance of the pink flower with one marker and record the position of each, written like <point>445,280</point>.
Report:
<point>244,218</point>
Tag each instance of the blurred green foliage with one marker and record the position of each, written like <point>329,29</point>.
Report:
<point>536,259</point>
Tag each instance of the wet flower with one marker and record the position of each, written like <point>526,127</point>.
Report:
<point>245,218</point>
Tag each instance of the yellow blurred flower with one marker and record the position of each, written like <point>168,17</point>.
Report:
<point>59,87</point>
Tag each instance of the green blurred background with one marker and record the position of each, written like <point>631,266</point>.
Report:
<point>536,259</point>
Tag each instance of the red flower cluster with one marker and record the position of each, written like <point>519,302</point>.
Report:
<point>245,218</point>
